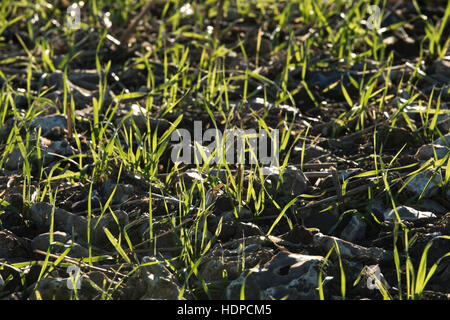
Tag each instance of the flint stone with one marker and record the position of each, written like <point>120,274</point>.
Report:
<point>14,160</point>
<point>65,221</point>
<point>59,289</point>
<point>161,284</point>
<point>226,259</point>
<point>311,152</point>
<point>42,241</point>
<point>47,123</point>
<point>294,180</point>
<point>433,206</point>
<point>443,142</point>
<point>324,221</point>
<point>351,251</point>
<point>408,214</point>
<point>427,151</point>
<point>420,181</point>
<point>77,251</point>
<point>355,229</point>
<point>61,147</point>
<point>139,117</point>
<point>122,193</point>
<point>11,246</point>
<point>287,274</point>
<point>51,289</point>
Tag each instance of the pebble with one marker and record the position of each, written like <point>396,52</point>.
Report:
<point>65,221</point>
<point>355,229</point>
<point>161,284</point>
<point>11,246</point>
<point>428,151</point>
<point>14,160</point>
<point>139,117</point>
<point>294,180</point>
<point>42,241</point>
<point>441,141</point>
<point>287,274</point>
<point>433,206</point>
<point>420,181</point>
<point>408,214</point>
<point>226,260</point>
<point>324,221</point>
<point>51,289</point>
<point>351,251</point>
<point>77,251</point>
<point>312,152</point>
<point>242,214</point>
<point>59,288</point>
<point>61,147</point>
<point>47,123</point>
<point>122,193</point>
<point>439,146</point>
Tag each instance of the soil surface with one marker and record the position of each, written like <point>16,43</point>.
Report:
<point>89,188</point>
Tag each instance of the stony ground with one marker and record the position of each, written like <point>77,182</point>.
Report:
<point>88,187</point>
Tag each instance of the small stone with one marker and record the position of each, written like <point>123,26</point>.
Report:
<point>47,123</point>
<point>56,133</point>
<point>242,214</point>
<point>139,117</point>
<point>351,251</point>
<point>220,174</point>
<point>122,193</point>
<point>408,214</point>
<point>444,224</point>
<point>14,160</point>
<point>11,246</point>
<point>444,125</point>
<point>161,284</point>
<point>62,288</point>
<point>84,203</point>
<point>441,68</point>
<point>286,275</point>
<point>324,221</point>
<point>311,152</point>
<point>294,181</point>
<point>228,230</point>
<point>61,147</point>
<point>443,142</point>
<point>420,181</point>
<point>428,151</point>
<point>299,235</point>
<point>42,241</point>
<point>77,251</point>
<point>65,221</point>
<point>247,229</point>
<point>51,289</point>
<point>355,229</point>
<point>226,260</point>
<point>393,137</point>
